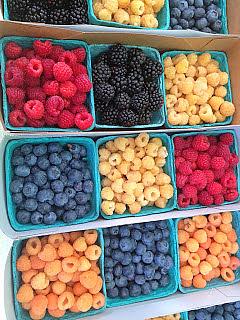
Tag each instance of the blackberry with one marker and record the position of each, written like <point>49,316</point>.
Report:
<point>119,82</point>
<point>145,117</point>
<point>59,16</point>
<point>140,102</point>
<point>100,106</point>
<point>110,116</point>
<point>36,13</point>
<point>56,3</point>
<point>101,72</point>
<point>152,69</point>
<point>135,82</point>
<point>155,101</point>
<point>128,118</point>
<point>104,92</point>
<point>17,9</point>
<point>118,55</point>
<point>102,58</point>
<point>136,57</point>
<point>78,12</point>
<point>122,101</point>
<point>151,86</point>
<point>119,71</point>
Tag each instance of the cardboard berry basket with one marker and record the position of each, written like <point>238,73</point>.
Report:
<point>233,148</point>
<point>170,289</point>
<point>215,282</point>
<point>158,116</point>
<point>219,56</point>
<point>168,169</point>
<point>27,42</point>
<point>91,158</point>
<point>17,280</point>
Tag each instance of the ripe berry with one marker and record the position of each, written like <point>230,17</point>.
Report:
<point>36,94</point>
<point>79,98</point>
<point>67,89</point>
<point>34,109</point>
<point>200,143</point>
<point>80,54</point>
<point>51,87</point>
<point>214,188</point>
<point>83,83</point>
<point>226,138</point>
<point>183,201</point>
<point>14,77</point>
<point>218,163</point>
<point>62,72</point>
<point>203,161</point>
<point>17,118</point>
<point>66,119</point>
<point>205,198</point>
<point>12,50</point>
<point>35,123</point>
<point>34,68</point>
<point>54,106</point>
<point>68,57</point>
<point>83,120</point>
<point>231,195</point>
<point>15,95</point>
<point>42,48</point>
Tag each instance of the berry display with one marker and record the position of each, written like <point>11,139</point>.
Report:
<point>51,182</point>
<point>126,80</point>
<point>205,174</point>
<point>60,12</point>
<point>47,86</point>
<point>137,259</point>
<point>199,15</point>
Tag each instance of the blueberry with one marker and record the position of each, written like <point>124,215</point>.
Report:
<point>45,195</point>
<point>30,189</point>
<point>237,305</point>
<point>129,270</point>
<point>64,179</point>
<point>70,192</point>
<point>211,309</point>
<point>117,255</point>
<point>207,30</point>
<point>134,290</point>
<point>30,205</point>
<point>168,262</point>
<point>70,205</point>
<point>147,257</point>
<point>81,198</point>
<point>198,3</point>
<point>141,249</point>
<point>139,268</point>
<point>126,259</point>
<point>106,242</point>
<point>35,169</point>
<point>217,26</point>
<point>177,27</point>
<point>78,149</point>
<point>30,159</point>
<point>59,212</point>
<point>165,233</point>
<point>50,218</point>
<point>219,310</point>
<point>175,13</point>
<point>207,2</point>
<point>149,272</point>
<point>182,5</point>
<point>22,171</point>
<point>26,149</point>
<point>157,275</point>
<point>57,186</point>
<point>40,178</point>
<point>86,174</point>
<point>140,279</point>
<point>108,277</point>
<point>173,22</point>
<point>60,199</point>
<point>108,262</point>
<point>191,23</point>
<point>212,16</point>
<point>17,160</point>
<point>108,252</point>
<point>150,226</point>
<point>162,246</point>
<point>43,162</point>
<point>146,288</point>
<point>183,23</point>
<point>54,147</point>
<point>136,258</point>
<point>136,234</point>
<point>217,316</point>
<point>121,281</point>
<point>16,185</point>
<point>113,293</point>
<point>77,164</point>
<point>124,293</point>
<point>53,173</point>
<point>69,216</point>
<point>78,186</point>
<point>40,150</point>
<point>23,216</point>
<point>147,237</point>
<point>36,218</point>
<point>117,270</point>
<point>188,14</point>
<point>162,224</point>
<point>66,155</point>
<point>74,175</point>
<point>125,244</point>
<point>164,281</point>
<point>160,259</point>
<point>88,186</point>
<point>80,211</point>
<point>44,207</point>
<point>154,285</point>
<point>124,231</point>
<point>157,234</point>
<point>17,198</point>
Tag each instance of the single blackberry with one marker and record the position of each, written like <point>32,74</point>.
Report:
<point>151,86</point>
<point>102,58</point>
<point>145,117</point>
<point>155,101</point>
<point>118,55</point>
<point>110,116</point>
<point>119,82</point>
<point>104,92</point>
<point>152,69</point>
<point>135,82</point>
<point>139,102</point>
<point>17,9</point>
<point>36,13</point>
<point>128,118</point>
<point>101,72</point>
<point>100,106</point>
<point>136,57</point>
<point>122,101</point>
<point>119,71</point>
<point>78,12</point>
<point>59,16</point>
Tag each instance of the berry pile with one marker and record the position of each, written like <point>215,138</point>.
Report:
<point>49,11</point>
<point>47,86</point>
<point>51,182</point>
<point>228,311</point>
<point>60,273</point>
<point>126,89</point>
<point>137,259</point>
<point>199,15</point>
<point>205,170</point>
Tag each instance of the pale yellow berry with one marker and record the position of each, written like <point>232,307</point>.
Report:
<point>134,208</point>
<point>108,207</point>
<point>149,21</point>
<point>107,193</point>
<point>122,16</point>
<point>104,168</point>
<point>123,3</point>
<point>105,14</point>
<point>135,20</point>
<point>111,5</point>
<point>120,208</point>
<point>137,7</point>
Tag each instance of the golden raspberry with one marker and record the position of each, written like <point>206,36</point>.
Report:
<point>106,182</point>
<point>107,193</point>
<point>108,207</point>
<point>129,187</point>
<point>162,179</point>
<point>136,164</point>
<point>98,301</point>
<point>181,105</point>
<point>53,268</point>
<point>121,143</point>
<point>120,208</point>
<point>128,198</point>
<point>186,273</point>
<point>142,140</point>
<point>65,277</point>
<point>123,3</point>
<point>66,300</point>
<point>192,245</point>
<point>182,66</point>
<point>204,59</point>
<point>194,120</point>
<point>151,149</point>
<point>134,208</point>
<point>161,203</point>
<point>166,191</point>
<point>90,236</point>
<point>149,21</point>
<point>128,154</point>
<point>84,303</point>
<point>97,6</point>
<point>137,7</point>
<point>167,62</point>
<point>104,154</point>
<point>134,176</point>
<point>206,113</point>
<point>122,16</point>
<point>170,100</point>
<point>105,14</point>
<point>135,20</point>
<point>111,146</point>
<point>191,71</point>
<point>159,4</point>
<point>175,91</point>
<point>115,159</point>
<point>201,71</point>
<point>70,264</point>
<point>224,77</point>
<point>33,246</point>
<point>215,102</point>
<point>221,91</point>
<point>186,86</point>
<point>213,66</point>
<point>55,240</point>
<point>151,193</point>
<point>148,162</point>
<point>192,99</point>
<point>148,179</point>
<point>39,281</point>
<point>25,294</point>
<point>23,263</point>
<point>148,9</point>
<point>213,79</point>
<point>117,186</point>
<point>227,109</point>
<point>168,84</point>
<point>104,168</point>
<point>111,5</point>
<point>58,287</point>
<point>124,167</point>
<point>139,189</point>
<point>219,116</point>
<point>170,72</point>
<point>114,174</point>
<point>192,58</point>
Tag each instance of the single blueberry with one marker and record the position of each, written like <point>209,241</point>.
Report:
<point>108,277</point>
<point>30,204</point>
<point>64,179</point>
<point>198,3</point>
<point>55,159</point>
<point>121,281</point>
<point>127,259</point>
<point>108,262</point>
<point>66,155</point>
<point>201,23</point>
<point>40,150</point>
<point>26,149</point>
<point>44,207</point>
<point>53,173</point>
<point>77,164</point>
<point>147,257</point>
<point>70,192</point>
<point>207,2</point>
<point>113,293</point>
<point>199,13</point>
<point>146,288</point>
<point>140,279</point>
<point>17,198</point>
<point>141,249</point>
<point>108,252</point>
<point>117,254</point>
<point>183,23</point>
<point>237,305</point>
<point>57,186</point>
<point>191,23</point>
<point>228,316</point>
<point>177,27</point>
<point>182,5</point>
<point>124,231</point>
<point>60,199</point>
<point>150,226</point>
<point>134,290</point>
<point>30,159</point>
<point>70,205</point>
<point>16,185</point>
<point>162,224</point>
<point>43,162</point>
<point>63,166</point>
<point>110,284</point>
<point>45,195</point>
<point>86,174</point>
<point>188,14</point>
<point>207,30</point>
<point>136,234</point>
<point>139,268</point>
<point>17,152</point>
<point>17,160</point>
<point>88,186</point>
<point>114,243</point>
<point>175,13</point>
<point>191,315</point>
<point>50,218</point>
<point>212,16</point>
<point>80,211</point>
<point>173,22</point>
<point>164,281</point>
<point>124,293</point>
<point>106,242</point>
<point>78,186</point>
<point>157,275</point>
<point>125,244</point>
<point>69,216</point>
<point>36,218</point>
<point>160,259</point>
<point>114,231</point>
<point>168,262</point>
<point>149,272</point>
<point>217,26</point>
<point>136,258</point>
<point>165,233</point>
<point>211,309</point>
<point>30,189</point>
<point>117,270</point>
<point>54,147</point>
<point>40,178</point>
<point>162,246</point>
<point>219,309</point>
<point>22,171</point>
<point>154,285</point>
<point>81,198</point>
<point>23,216</point>
<point>74,175</point>
<point>157,235</point>
<point>147,237</point>
<point>129,270</point>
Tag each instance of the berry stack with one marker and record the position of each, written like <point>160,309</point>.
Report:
<point>206,169</point>
<point>126,88</point>
<point>51,182</point>
<point>47,86</point>
<point>199,15</point>
<point>60,12</point>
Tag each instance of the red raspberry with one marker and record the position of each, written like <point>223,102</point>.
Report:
<point>48,68</point>
<point>67,104</point>
<point>36,123</point>
<point>229,180</point>
<point>83,120</point>
<point>200,142</point>
<point>179,143</point>
<point>68,57</point>
<point>22,63</point>
<point>28,53</point>
<point>78,109</point>
<point>42,48</point>
<point>49,120</point>
<point>185,168</point>
<point>34,109</point>
<point>189,191</point>
<point>226,138</point>
<point>190,154</point>
<point>32,82</point>
<point>218,174</point>
<point>233,160</point>
<point>183,201</point>
<point>15,95</point>
<point>79,69</point>
<point>10,63</point>
<point>203,161</point>
<point>36,94</point>
<point>194,200</point>
<point>54,106</point>
<point>51,87</point>
<point>80,54</point>
<point>34,68</point>
<point>62,72</point>
<point>177,153</point>
<point>66,119</point>
<point>212,149</point>
<point>181,180</point>
<point>56,52</point>
<point>198,179</point>
<point>79,98</point>
<point>178,161</point>
<point>214,188</point>
<point>213,140</point>
<point>12,50</point>
<point>83,83</point>
<point>218,163</point>
<point>218,199</point>
<point>205,199</point>
<point>18,106</point>
<point>14,77</point>
<point>223,151</point>
<point>17,118</point>
<point>67,89</point>
<point>231,195</point>
<point>209,175</point>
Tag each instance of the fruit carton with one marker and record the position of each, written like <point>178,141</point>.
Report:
<point>158,116</point>
<point>184,316</point>
<point>221,57</point>
<point>168,169</point>
<point>215,283</point>
<point>17,280</point>
<point>27,42</point>
<point>91,157</point>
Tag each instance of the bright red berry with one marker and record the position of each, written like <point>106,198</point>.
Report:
<point>178,161</point>
<point>203,161</point>
<point>212,149</point>
<point>14,77</point>
<point>17,118</point>
<point>36,94</point>
<point>50,120</point>
<point>185,168</point>
<point>34,109</point>
<point>80,54</point>
<point>83,83</point>
<point>218,163</point>
<point>214,188</point>
<point>183,201</point>
<point>179,143</point>
<point>79,98</point>
<point>54,106</point>
<point>78,109</point>
<point>51,87</point>
<point>209,175</point>
<point>218,174</point>
<point>200,143</point>
<point>56,52</point>
<point>205,198</point>
<point>42,48</point>
<point>15,95</point>
<point>66,119</point>
<point>227,138</point>
<point>67,89</point>
<point>79,69</point>
<point>34,68</point>
<point>231,195</point>
<point>22,63</point>
<point>189,191</point>
<point>229,180</point>
<point>198,179</point>
<point>233,161</point>
<point>48,68</point>
<point>181,180</point>
<point>36,123</point>
<point>62,72</point>
<point>223,150</point>
<point>190,154</point>
<point>218,199</point>
<point>68,57</point>
<point>83,120</point>
<point>12,50</point>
